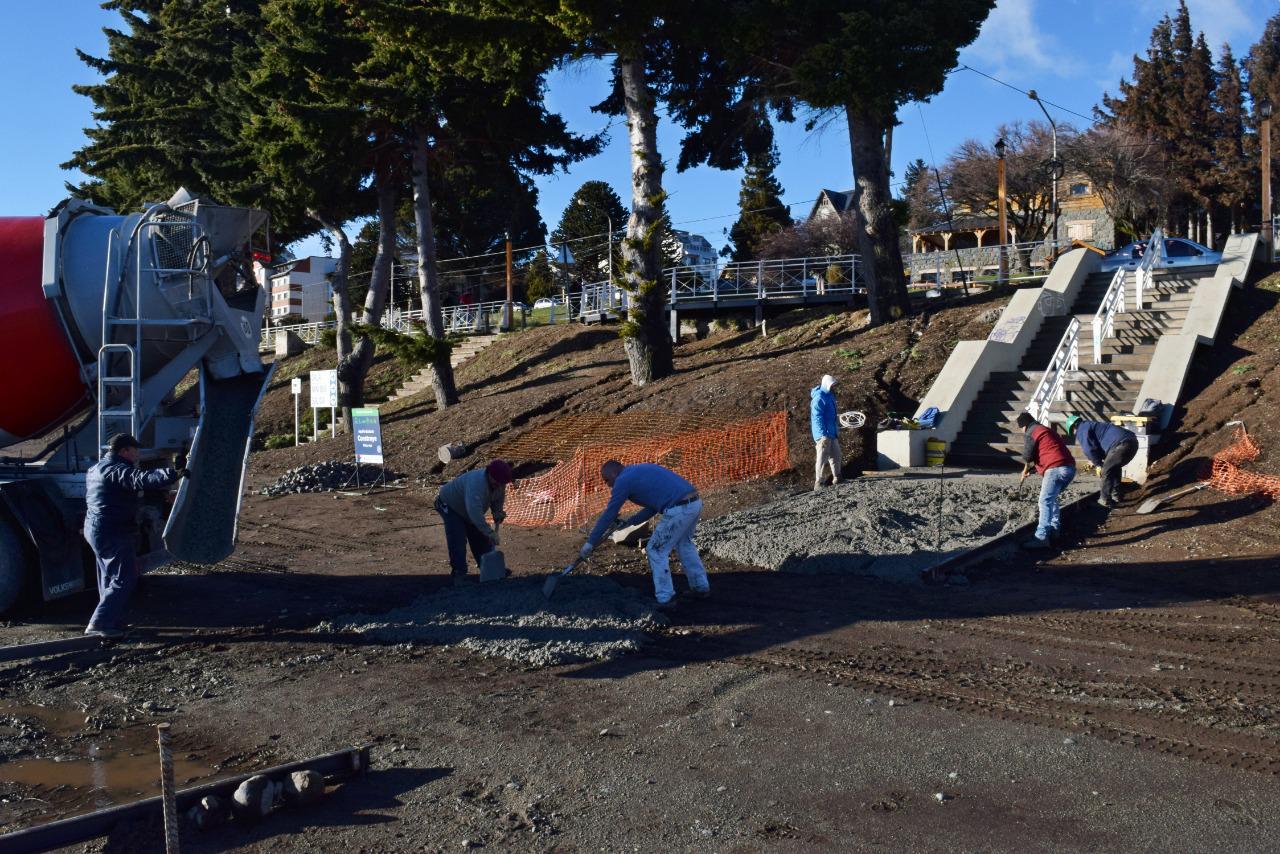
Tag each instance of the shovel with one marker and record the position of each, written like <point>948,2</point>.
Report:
<point>1151,504</point>
<point>553,579</point>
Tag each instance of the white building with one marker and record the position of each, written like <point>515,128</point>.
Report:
<point>303,290</point>
<point>696,250</point>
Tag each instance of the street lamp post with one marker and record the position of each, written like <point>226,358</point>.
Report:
<point>1055,164</point>
<point>508,318</point>
<point>1264,110</point>
<point>1003,213</point>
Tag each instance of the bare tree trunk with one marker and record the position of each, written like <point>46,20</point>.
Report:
<point>644,335</point>
<point>380,278</point>
<point>428,277</point>
<point>878,237</point>
<point>341,312</point>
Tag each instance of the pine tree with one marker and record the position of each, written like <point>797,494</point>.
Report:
<point>920,192</point>
<point>584,230</point>
<point>1263,65</point>
<point>1235,172</point>
<point>539,278</point>
<point>761,212</point>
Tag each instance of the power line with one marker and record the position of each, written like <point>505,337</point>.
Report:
<point>1025,92</point>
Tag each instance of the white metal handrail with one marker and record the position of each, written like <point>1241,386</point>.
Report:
<point>760,280</point>
<point>1065,358</point>
<point>1104,320</point>
<point>1152,259</point>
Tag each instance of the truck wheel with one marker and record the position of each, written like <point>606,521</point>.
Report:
<point>14,566</point>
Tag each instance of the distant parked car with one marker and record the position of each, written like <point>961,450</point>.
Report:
<point>545,302</point>
<point>1178,252</point>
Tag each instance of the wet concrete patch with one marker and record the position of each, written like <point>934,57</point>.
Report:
<point>588,619</point>
<point>889,527</point>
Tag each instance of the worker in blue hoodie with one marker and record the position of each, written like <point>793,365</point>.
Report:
<point>823,424</point>
<point>1108,447</point>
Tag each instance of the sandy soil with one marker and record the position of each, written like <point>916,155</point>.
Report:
<point>1120,696</point>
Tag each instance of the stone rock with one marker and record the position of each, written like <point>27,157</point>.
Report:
<point>303,788</point>
<point>210,812</point>
<point>254,798</point>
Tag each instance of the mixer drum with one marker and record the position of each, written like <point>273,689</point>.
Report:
<point>40,382</point>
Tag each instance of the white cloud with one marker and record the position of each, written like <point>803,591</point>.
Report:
<point>1011,43</point>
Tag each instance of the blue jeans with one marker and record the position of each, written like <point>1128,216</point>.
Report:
<point>458,534</point>
<point>1055,480</point>
<point>117,564</point>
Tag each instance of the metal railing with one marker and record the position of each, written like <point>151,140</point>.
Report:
<point>1051,388</point>
<point>1104,320</point>
<point>1026,261</point>
<point>1152,259</point>
<point>825,275</point>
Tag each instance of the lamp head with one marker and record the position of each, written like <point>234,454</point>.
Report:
<point>1264,109</point>
<point>1000,147</point>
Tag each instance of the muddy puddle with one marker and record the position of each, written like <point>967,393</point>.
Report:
<point>53,766</point>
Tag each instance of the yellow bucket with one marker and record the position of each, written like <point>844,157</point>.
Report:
<point>935,452</point>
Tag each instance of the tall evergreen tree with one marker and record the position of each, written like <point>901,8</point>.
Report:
<point>921,194</point>
<point>1235,170</point>
<point>584,230</point>
<point>1263,65</point>
<point>761,212</point>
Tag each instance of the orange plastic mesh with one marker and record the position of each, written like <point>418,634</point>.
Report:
<point>572,493</point>
<point>1228,476</point>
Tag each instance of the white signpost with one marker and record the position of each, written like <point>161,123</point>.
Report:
<point>297,397</point>
<point>324,395</point>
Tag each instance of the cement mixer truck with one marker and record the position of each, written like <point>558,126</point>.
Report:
<point>146,323</point>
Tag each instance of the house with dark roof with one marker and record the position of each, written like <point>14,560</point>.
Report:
<point>831,203</point>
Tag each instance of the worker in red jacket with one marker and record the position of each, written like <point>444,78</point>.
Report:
<point>1046,451</point>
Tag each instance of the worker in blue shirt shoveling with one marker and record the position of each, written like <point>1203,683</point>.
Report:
<point>657,490</point>
<point>1108,447</point>
<point>112,486</point>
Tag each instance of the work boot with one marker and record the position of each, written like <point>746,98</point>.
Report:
<point>1036,544</point>
<point>699,594</point>
<point>817,487</point>
<point>1106,502</point>
<point>669,605</point>
<point>105,634</point>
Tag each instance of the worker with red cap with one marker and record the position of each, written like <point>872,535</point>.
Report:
<point>462,505</point>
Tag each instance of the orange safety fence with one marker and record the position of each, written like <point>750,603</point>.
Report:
<point>572,493</point>
<point>1227,475</point>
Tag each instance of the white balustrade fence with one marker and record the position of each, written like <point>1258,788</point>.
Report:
<point>1104,319</point>
<point>1052,385</point>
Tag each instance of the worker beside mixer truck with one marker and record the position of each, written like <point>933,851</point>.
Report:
<point>112,486</point>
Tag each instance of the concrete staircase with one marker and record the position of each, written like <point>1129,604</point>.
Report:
<point>462,351</point>
<point>1102,387</point>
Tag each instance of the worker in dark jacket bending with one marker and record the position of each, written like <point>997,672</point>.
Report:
<point>1044,450</point>
<point>1108,447</point>
<point>111,527</point>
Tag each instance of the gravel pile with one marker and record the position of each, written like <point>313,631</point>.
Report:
<point>886,527</point>
<point>588,619</point>
<point>327,476</point>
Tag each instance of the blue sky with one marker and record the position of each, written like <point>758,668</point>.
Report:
<point>1070,51</point>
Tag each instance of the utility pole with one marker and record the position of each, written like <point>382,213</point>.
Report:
<point>1264,110</point>
<point>510,294</point>
<point>1054,164</point>
<point>1004,214</point>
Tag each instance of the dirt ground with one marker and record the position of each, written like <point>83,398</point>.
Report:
<point>1122,695</point>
